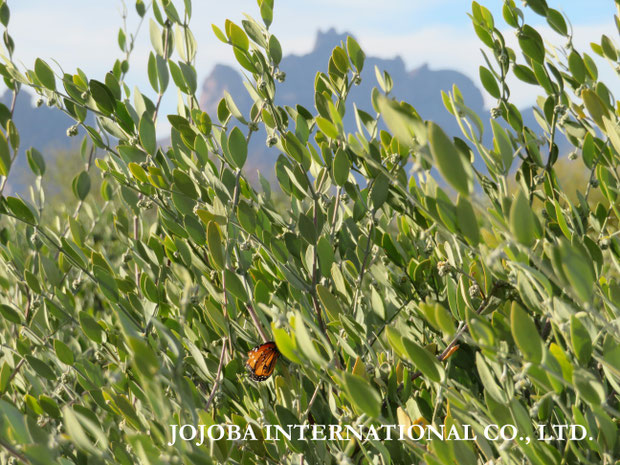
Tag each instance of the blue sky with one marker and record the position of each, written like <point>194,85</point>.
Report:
<point>438,32</point>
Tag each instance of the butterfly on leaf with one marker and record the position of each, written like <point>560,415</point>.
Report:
<point>262,361</point>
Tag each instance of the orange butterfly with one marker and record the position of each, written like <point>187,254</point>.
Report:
<point>262,360</point>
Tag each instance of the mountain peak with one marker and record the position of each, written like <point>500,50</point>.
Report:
<point>327,40</point>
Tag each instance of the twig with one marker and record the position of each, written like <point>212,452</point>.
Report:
<point>313,398</point>
<point>257,323</point>
<point>216,382</point>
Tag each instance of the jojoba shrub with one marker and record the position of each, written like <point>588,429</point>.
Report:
<point>401,283</point>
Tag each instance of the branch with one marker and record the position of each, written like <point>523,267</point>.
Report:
<point>216,383</point>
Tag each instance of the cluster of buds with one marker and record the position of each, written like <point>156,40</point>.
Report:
<point>271,141</point>
<point>145,203</point>
<point>72,131</point>
<point>280,76</point>
<point>474,291</point>
<point>76,283</point>
<point>443,268</point>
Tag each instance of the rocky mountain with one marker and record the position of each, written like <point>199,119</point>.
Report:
<point>421,87</point>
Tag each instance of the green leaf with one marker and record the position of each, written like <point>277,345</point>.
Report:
<point>401,122</point>
<point>214,242</point>
<point>266,11</point>
<point>5,156</point>
<point>81,185</point>
<point>20,209</point>
<point>340,167</point>
<point>237,36</point>
<point>589,387</point>
<point>595,106</point>
<point>275,49</point>
<point>503,146</point>
<point>580,340</point>
<point>327,127</point>
<point>235,286</point>
<point>144,357</point>
<point>423,360</point>
<point>76,432</point>
<point>10,314</point>
<point>356,54</point>
<point>35,160</point>
<point>578,271</point>
<point>577,66</point>
<point>106,282</point>
<point>138,172</point>
<point>326,255</point>
<point>51,271</point>
<point>49,406</point>
<point>102,96</point>
<point>332,307</point>
<point>379,191</point>
<point>525,74</point>
<point>149,288</point>
<point>305,343</point>
<point>525,334</point>
<point>488,380</point>
<point>238,147</point>
<point>195,229</point>
<point>362,395</point>
<point>556,21</point>
<point>91,328</point>
<point>16,421</point>
<point>532,44</point>
<point>13,134</point>
<point>147,134</point>
<point>285,344</point>
<point>307,229</point>
<point>523,223</point>
<point>152,72</point>
<point>63,352</point>
<point>467,220</point>
<point>608,48</point>
<point>41,368</point>
<point>184,183</point>
<point>489,82</point>
<point>449,161</point>
<point>45,74</point>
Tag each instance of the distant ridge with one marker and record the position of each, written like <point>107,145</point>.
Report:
<point>421,87</point>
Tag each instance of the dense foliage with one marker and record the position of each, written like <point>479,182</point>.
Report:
<point>129,312</point>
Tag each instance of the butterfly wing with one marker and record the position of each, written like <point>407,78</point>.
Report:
<point>262,361</point>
